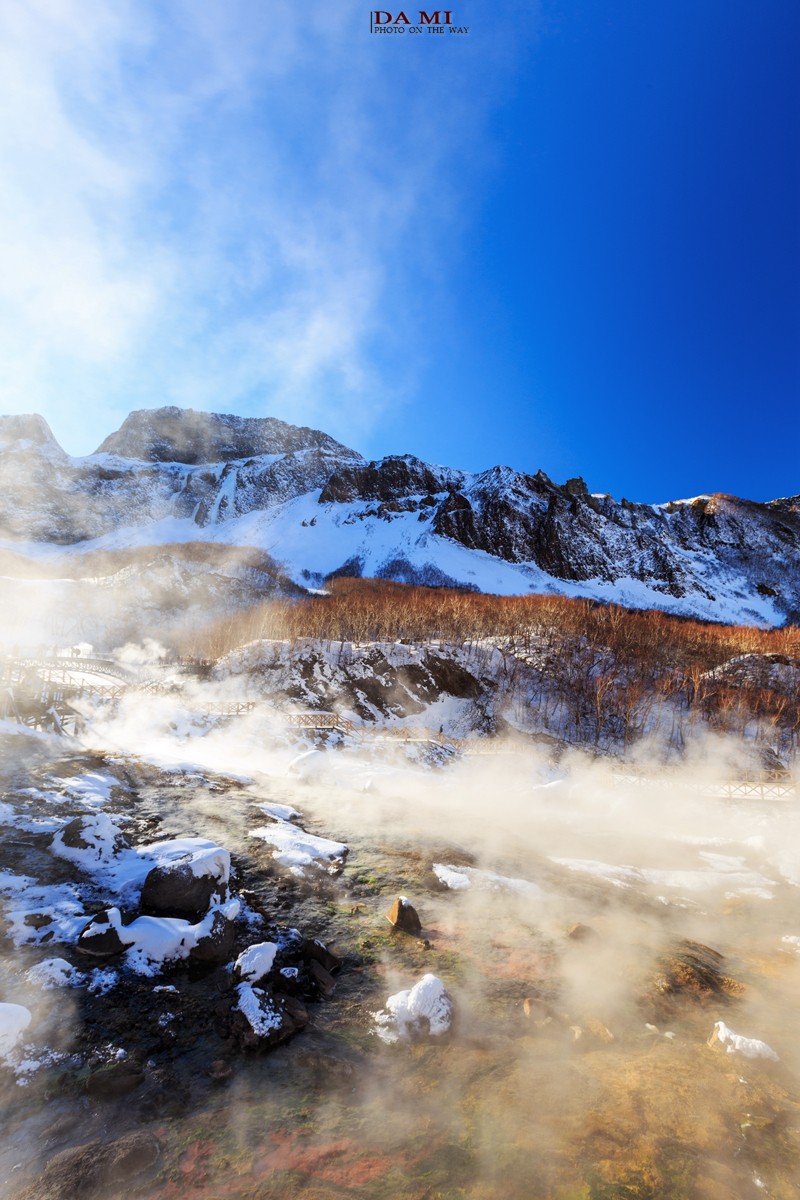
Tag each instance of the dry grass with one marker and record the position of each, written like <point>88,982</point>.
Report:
<point>592,672</point>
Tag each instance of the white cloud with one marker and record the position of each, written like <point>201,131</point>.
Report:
<point>221,204</point>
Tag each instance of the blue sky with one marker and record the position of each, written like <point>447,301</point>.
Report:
<point>566,240</point>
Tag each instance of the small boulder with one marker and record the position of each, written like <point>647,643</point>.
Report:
<point>100,937</point>
<point>176,891</point>
<point>403,916</point>
<point>315,951</point>
<point>262,1018</point>
<point>581,933</point>
<point>216,947</point>
<point>256,962</point>
<point>114,1080</point>
<point>322,980</point>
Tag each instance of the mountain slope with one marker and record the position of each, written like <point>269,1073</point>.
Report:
<point>318,508</point>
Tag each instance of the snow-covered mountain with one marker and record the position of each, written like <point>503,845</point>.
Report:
<point>319,509</point>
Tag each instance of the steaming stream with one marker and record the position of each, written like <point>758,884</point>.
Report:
<point>555,909</point>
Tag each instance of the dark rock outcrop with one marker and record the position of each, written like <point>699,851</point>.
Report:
<point>183,435</point>
<point>710,554</point>
<point>216,947</point>
<point>392,478</point>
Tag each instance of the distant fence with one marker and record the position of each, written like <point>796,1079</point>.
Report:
<point>759,785</point>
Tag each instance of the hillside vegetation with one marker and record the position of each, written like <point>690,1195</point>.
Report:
<point>571,667</point>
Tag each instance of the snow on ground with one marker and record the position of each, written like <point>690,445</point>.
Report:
<point>14,1020</point>
<point>459,879</point>
<point>100,839</point>
<point>734,1043</point>
<point>55,973</point>
<point>296,849</point>
<point>731,874</point>
<point>281,812</point>
<point>91,790</point>
<point>59,906</point>
<point>426,1008</point>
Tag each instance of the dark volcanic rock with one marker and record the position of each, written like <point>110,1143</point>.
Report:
<point>322,980</point>
<point>114,1080</point>
<point>390,479</point>
<point>216,948</point>
<point>314,950</point>
<point>185,436</point>
<point>95,1169</point>
<point>100,938</point>
<point>262,1019</point>
<point>175,891</point>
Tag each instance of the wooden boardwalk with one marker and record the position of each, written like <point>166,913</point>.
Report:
<point>747,785</point>
<point>41,691</point>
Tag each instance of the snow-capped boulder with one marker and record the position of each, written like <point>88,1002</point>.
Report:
<point>175,891</point>
<point>151,942</point>
<point>90,841</point>
<point>101,937</point>
<point>256,962</point>
<point>425,1010</point>
<point>185,888</point>
<point>262,1018</point>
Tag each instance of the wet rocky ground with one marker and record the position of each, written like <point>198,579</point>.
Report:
<point>578,1064</point>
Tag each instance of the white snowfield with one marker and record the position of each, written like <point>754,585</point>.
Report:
<point>310,540</point>
<point>735,1043</point>
<point>426,1008</point>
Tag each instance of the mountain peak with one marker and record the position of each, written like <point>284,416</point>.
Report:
<point>26,431</point>
<point>184,435</point>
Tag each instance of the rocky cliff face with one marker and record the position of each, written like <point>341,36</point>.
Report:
<point>184,436</point>
<point>319,509</point>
